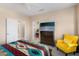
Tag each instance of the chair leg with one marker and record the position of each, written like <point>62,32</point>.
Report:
<point>57,48</point>
<point>66,54</point>
<point>74,53</point>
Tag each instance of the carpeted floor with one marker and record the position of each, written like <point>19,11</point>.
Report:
<point>56,52</point>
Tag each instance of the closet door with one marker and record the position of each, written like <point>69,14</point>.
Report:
<point>12,30</point>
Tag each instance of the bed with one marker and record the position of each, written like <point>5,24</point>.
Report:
<point>23,48</point>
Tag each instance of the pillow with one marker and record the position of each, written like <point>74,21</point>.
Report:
<point>21,45</point>
<point>70,38</point>
<point>13,43</point>
<point>68,41</point>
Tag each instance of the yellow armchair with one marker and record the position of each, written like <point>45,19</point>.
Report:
<point>68,45</point>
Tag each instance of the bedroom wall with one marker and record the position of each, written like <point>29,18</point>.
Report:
<point>64,21</point>
<point>77,19</point>
<point>6,13</point>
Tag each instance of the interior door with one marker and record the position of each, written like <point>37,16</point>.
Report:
<point>12,30</point>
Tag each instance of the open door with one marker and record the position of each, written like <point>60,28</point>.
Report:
<point>12,30</point>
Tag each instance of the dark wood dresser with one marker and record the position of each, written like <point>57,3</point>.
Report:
<point>47,33</point>
<point>47,37</point>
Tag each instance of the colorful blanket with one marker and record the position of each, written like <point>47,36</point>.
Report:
<point>22,48</point>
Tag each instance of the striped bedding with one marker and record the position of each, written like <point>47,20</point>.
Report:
<point>12,49</point>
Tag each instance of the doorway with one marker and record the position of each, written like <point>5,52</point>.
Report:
<point>12,30</point>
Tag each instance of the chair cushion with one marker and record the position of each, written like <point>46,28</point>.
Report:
<point>68,41</point>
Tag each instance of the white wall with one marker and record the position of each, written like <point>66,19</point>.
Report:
<point>6,13</point>
<point>64,21</point>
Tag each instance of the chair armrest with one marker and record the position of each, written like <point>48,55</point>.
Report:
<point>59,41</point>
<point>72,45</point>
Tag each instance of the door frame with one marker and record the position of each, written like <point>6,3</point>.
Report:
<point>6,29</point>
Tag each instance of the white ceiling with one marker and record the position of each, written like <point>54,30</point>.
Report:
<point>30,9</point>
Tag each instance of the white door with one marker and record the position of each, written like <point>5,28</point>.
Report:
<point>12,30</point>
